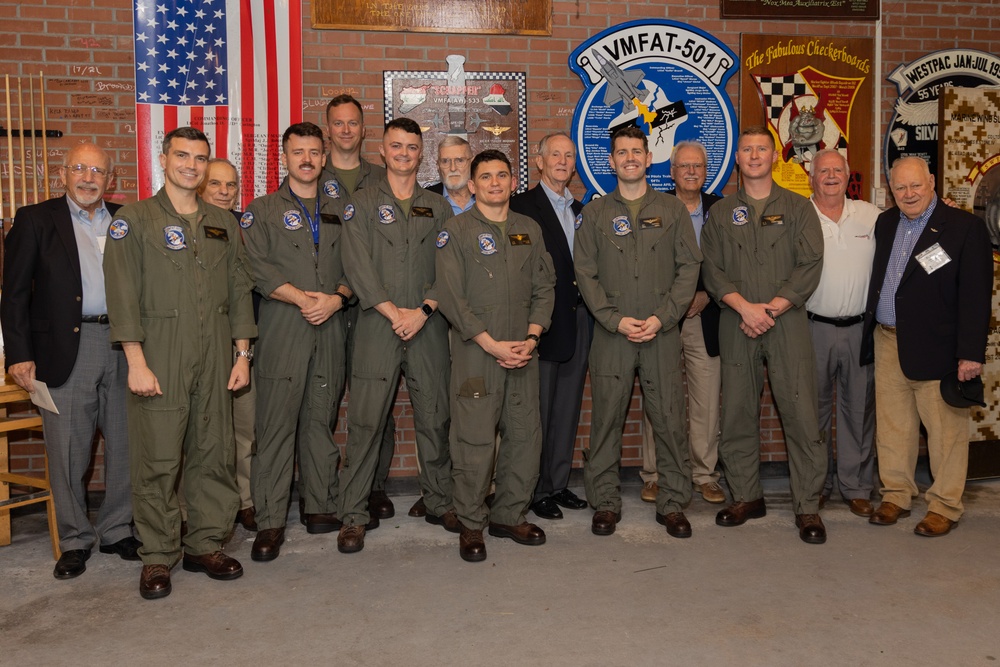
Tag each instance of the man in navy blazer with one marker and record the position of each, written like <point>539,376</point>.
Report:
<point>55,330</point>
<point>564,348</point>
<point>927,316</point>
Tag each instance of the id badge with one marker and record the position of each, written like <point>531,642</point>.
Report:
<point>933,258</point>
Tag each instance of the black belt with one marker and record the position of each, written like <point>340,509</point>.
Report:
<point>836,321</point>
<point>94,319</point>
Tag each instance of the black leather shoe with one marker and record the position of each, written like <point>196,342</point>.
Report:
<point>738,513</point>
<point>379,505</point>
<point>811,528</point>
<point>127,548</point>
<point>546,508</point>
<point>71,564</point>
<point>604,522</point>
<point>676,523</point>
<point>569,500</point>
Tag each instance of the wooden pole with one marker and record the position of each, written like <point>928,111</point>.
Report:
<point>10,152</point>
<point>34,146</point>
<point>20,126</point>
<point>45,138</point>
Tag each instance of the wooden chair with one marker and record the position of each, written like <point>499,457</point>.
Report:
<point>41,489</point>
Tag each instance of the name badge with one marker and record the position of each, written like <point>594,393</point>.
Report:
<point>329,218</point>
<point>519,239</point>
<point>933,258</point>
<point>422,212</point>
<point>216,233</point>
<point>768,220</point>
<point>650,223</point>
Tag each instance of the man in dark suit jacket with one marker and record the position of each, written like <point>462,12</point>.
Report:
<point>563,349</point>
<point>700,341</point>
<point>55,330</point>
<point>927,316</point>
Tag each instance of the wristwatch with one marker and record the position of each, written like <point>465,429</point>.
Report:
<point>426,309</point>
<point>532,337</point>
<point>247,354</point>
<point>343,297</point>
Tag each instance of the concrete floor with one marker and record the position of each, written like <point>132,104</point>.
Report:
<point>752,595</point>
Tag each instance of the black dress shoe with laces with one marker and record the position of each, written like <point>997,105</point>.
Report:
<point>71,564</point>
<point>569,500</point>
<point>127,548</point>
<point>546,508</point>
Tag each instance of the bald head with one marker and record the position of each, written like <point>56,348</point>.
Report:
<point>86,172</point>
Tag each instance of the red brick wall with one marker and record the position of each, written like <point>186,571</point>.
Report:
<point>84,47</point>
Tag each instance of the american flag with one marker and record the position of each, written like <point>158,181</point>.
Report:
<point>232,68</point>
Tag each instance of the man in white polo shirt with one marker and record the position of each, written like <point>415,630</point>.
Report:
<point>836,313</point>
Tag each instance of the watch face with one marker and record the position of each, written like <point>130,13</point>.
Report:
<point>428,311</point>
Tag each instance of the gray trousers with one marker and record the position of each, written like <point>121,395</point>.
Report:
<point>93,397</point>
<point>837,366</point>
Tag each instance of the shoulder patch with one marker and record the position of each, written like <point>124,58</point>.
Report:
<point>118,229</point>
<point>443,238</point>
<point>741,216</point>
<point>349,212</point>
<point>246,220</point>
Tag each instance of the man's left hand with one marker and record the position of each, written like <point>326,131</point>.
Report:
<point>409,322</point>
<point>240,376</point>
<point>323,308</point>
<point>968,370</point>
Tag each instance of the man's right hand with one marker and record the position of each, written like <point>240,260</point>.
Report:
<point>24,375</point>
<point>756,319</point>
<point>142,382</point>
<point>630,327</point>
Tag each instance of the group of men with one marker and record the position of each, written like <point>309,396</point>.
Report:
<point>147,310</point>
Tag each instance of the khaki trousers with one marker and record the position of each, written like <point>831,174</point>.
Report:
<point>901,405</point>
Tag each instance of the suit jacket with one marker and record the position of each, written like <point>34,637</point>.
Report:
<point>710,315</point>
<point>42,302</point>
<point>943,316</point>
<point>437,188</point>
<point>558,343</point>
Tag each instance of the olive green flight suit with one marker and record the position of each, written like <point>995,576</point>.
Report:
<point>637,268</point>
<point>389,256</point>
<point>300,367</point>
<point>368,175</point>
<point>185,295</point>
<point>499,282</point>
<point>778,254</point>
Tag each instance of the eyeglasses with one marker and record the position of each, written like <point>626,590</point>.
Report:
<point>693,166</point>
<point>449,161</point>
<point>78,169</point>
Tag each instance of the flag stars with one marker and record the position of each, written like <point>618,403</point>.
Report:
<point>220,99</point>
<point>191,27</point>
<point>151,52</point>
<point>200,42</point>
<point>142,67</point>
<point>199,14</point>
<point>143,97</point>
<point>140,37</point>
<point>162,9</point>
<point>183,99</point>
<point>163,68</point>
<point>171,53</point>
<point>171,25</point>
<point>173,83</point>
<point>164,97</point>
<point>202,99</point>
<point>161,39</point>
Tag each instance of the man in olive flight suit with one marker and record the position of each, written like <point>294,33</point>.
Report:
<point>178,289</point>
<point>763,250</point>
<point>389,260</point>
<point>496,286</point>
<point>637,261</point>
<point>344,174</point>
<point>294,238</point>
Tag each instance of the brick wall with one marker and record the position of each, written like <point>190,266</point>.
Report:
<point>84,47</point>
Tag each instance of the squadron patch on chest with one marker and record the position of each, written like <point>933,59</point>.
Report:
<point>246,220</point>
<point>349,212</point>
<point>332,189</point>
<point>741,215</point>
<point>386,215</point>
<point>621,226</point>
<point>118,229</point>
<point>442,239</point>
<point>578,221</point>
<point>174,236</point>
<point>292,220</point>
<point>487,244</point>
